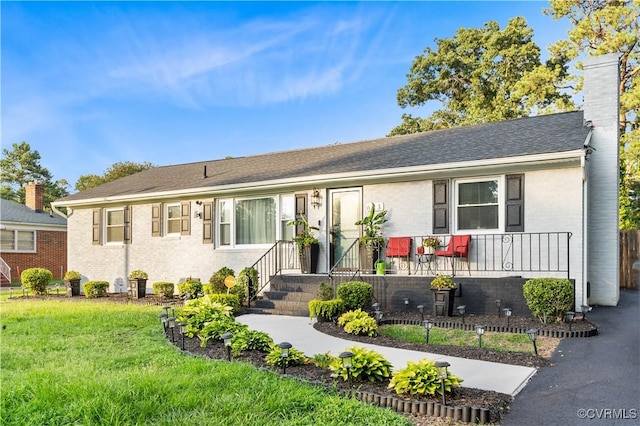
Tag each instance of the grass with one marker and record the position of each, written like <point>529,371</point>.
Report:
<point>108,364</point>
<point>511,342</point>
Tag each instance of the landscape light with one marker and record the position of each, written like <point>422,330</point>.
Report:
<point>479,331</point>
<point>569,316</point>
<point>164,318</point>
<point>226,338</point>
<point>347,360</point>
<point>183,331</point>
<point>428,325</point>
<point>421,310</point>
<point>584,309</point>
<point>461,310</point>
<point>507,313</point>
<point>498,305</point>
<point>172,325</point>
<point>533,334</point>
<point>442,373</point>
<point>284,353</point>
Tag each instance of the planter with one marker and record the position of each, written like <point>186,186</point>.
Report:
<point>73,287</point>
<point>368,258</point>
<point>138,287</point>
<point>443,302</point>
<point>309,259</point>
<point>429,250</point>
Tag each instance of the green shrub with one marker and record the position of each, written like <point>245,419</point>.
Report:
<point>72,275</point>
<point>325,292</point>
<point>242,286</point>
<point>358,323</point>
<point>217,280</point>
<point>190,289</point>
<point>251,340</point>
<point>355,294</point>
<point>138,274</point>
<point>275,359</point>
<point>325,308</point>
<point>365,365</point>
<point>322,360</point>
<point>548,298</point>
<point>422,378</point>
<point>197,312</point>
<point>216,328</point>
<point>163,288</point>
<point>36,280</point>
<point>226,299</point>
<point>93,289</point>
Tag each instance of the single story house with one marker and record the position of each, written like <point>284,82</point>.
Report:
<point>538,196</point>
<point>31,237</point>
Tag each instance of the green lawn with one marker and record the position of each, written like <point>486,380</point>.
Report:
<point>87,363</point>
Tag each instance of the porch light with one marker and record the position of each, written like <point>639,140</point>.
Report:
<point>226,338</point>
<point>428,325</point>
<point>442,373</point>
<point>533,335</point>
<point>461,310</point>
<point>421,310</point>
<point>507,313</point>
<point>479,331</point>
<point>569,316</point>
<point>347,361</point>
<point>284,353</point>
<point>315,198</point>
<point>183,331</point>
<point>172,325</point>
<point>584,309</point>
<point>498,305</point>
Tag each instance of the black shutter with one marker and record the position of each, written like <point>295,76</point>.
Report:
<point>96,226</point>
<point>440,206</point>
<point>207,223</point>
<point>301,210</point>
<point>514,203</point>
<point>127,224</point>
<point>185,218</point>
<point>156,220</point>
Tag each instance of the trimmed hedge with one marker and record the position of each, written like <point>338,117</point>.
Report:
<point>93,289</point>
<point>549,298</point>
<point>355,294</point>
<point>36,280</point>
<point>163,288</point>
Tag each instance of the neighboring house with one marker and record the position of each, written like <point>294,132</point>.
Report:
<point>539,197</point>
<point>31,237</point>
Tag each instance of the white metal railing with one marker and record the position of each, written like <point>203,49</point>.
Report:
<point>5,270</point>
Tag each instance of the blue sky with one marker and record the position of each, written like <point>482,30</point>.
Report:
<point>89,84</point>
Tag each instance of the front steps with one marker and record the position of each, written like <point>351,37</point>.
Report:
<point>289,295</point>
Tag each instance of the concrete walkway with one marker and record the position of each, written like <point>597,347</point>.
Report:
<point>299,331</point>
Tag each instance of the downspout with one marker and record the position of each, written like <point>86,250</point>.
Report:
<point>58,212</point>
<point>585,215</point>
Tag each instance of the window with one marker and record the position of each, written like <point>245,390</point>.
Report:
<point>478,205</point>
<point>174,217</point>
<point>14,240</point>
<point>255,220</point>
<point>115,225</point>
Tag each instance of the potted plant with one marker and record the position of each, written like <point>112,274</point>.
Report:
<point>430,244</point>
<point>371,240</point>
<point>443,288</point>
<point>138,283</point>
<point>72,283</point>
<point>308,245</point>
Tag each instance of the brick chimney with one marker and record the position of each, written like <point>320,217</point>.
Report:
<point>34,194</point>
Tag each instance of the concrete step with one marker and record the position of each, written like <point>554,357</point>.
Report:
<point>297,296</point>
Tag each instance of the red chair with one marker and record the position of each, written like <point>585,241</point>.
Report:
<point>400,247</point>
<point>458,248</point>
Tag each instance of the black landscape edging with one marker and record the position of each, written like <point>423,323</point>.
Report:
<point>500,329</point>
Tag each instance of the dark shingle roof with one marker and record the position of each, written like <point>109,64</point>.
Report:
<point>552,133</point>
<point>10,211</point>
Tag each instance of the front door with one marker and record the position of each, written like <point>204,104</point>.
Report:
<point>345,211</point>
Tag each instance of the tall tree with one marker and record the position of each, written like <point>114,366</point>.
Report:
<point>115,171</point>
<point>611,26</point>
<point>483,75</point>
<point>20,166</point>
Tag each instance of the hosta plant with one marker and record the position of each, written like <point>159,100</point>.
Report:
<point>358,323</point>
<point>322,360</point>
<point>216,328</point>
<point>422,378</point>
<point>365,365</point>
<point>251,340</point>
<point>196,313</point>
<point>275,359</point>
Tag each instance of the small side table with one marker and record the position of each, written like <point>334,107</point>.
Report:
<point>428,260</point>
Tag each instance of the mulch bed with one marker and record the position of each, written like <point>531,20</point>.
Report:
<point>493,405</point>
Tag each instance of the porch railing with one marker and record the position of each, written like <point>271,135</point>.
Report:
<point>5,270</point>
<point>282,255</point>
<point>347,267</point>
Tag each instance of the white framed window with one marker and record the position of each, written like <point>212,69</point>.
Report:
<point>114,225</point>
<point>478,204</point>
<point>254,221</point>
<point>17,241</point>
<point>173,218</point>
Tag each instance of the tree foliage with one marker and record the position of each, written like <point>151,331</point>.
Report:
<point>483,75</point>
<point>115,171</point>
<point>21,165</point>
<point>611,26</point>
